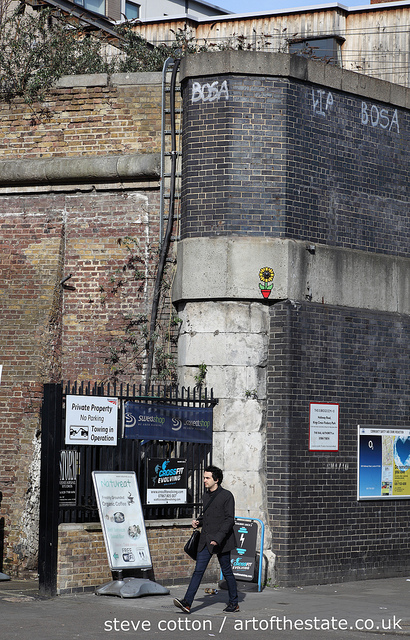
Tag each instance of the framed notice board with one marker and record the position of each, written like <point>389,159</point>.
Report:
<point>122,520</point>
<point>383,463</point>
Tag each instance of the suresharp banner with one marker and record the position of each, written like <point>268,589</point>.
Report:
<point>167,422</point>
<point>123,525</point>
<point>383,470</point>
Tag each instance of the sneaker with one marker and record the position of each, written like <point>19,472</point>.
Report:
<point>232,608</point>
<point>183,605</point>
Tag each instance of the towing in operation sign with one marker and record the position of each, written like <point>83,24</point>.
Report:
<point>91,420</point>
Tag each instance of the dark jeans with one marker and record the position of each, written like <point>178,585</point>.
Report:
<point>202,561</point>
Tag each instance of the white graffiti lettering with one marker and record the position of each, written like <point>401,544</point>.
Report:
<point>377,117</point>
<point>209,92</point>
<point>321,104</point>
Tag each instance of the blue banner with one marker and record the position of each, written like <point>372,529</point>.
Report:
<point>167,422</point>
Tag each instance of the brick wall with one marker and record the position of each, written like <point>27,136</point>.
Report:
<point>50,230</point>
<point>320,353</point>
<point>83,563</point>
<point>30,248</point>
<point>86,115</point>
<point>234,158</point>
<point>280,155</point>
<point>285,158</point>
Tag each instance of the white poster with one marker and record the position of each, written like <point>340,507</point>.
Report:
<point>122,521</point>
<point>91,420</point>
<point>324,426</point>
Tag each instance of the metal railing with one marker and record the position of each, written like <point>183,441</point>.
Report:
<point>132,455</point>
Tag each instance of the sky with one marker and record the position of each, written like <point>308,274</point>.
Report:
<point>245,6</point>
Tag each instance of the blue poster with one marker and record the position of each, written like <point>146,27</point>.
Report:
<point>167,422</point>
<point>370,465</point>
<point>383,463</point>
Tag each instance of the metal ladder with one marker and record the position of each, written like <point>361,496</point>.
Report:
<point>170,125</point>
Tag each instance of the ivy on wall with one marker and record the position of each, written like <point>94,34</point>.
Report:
<point>36,49</point>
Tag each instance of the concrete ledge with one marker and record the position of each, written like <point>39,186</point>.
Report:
<point>146,77</point>
<point>79,169</point>
<point>82,80</point>
<point>104,80</point>
<point>292,66</point>
<point>149,524</point>
<point>229,269</point>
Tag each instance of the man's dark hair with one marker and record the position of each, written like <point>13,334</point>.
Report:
<point>217,474</point>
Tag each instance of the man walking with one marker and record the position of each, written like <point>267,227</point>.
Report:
<point>217,537</point>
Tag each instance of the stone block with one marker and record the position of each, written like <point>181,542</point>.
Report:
<point>245,416</point>
<point>219,349</point>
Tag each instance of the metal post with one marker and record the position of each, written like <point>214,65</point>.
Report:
<point>51,429</point>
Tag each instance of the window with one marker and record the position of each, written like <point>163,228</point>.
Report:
<point>97,6</point>
<point>132,10</point>
<point>327,49</point>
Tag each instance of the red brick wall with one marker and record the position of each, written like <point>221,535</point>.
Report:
<point>47,332</point>
<point>83,563</point>
<point>86,120</point>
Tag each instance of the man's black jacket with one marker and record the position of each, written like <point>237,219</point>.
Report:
<point>217,521</point>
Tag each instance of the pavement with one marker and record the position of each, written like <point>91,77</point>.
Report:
<point>362,610</point>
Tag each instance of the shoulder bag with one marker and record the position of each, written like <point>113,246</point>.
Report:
<point>191,547</point>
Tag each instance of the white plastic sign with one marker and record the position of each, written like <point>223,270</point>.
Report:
<point>122,521</point>
<point>91,420</point>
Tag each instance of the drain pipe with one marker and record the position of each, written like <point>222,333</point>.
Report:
<point>168,233</point>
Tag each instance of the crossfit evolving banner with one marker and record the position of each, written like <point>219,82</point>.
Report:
<point>166,481</point>
<point>167,422</point>
<point>243,558</point>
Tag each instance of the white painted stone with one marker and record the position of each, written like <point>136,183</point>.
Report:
<point>229,267</point>
<point>242,450</point>
<point>221,349</point>
<point>202,317</point>
<point>224,316</point>
<point>247,489</point>
<point>238,382</point>
<point>229,382</point>
<point>231,338</point>
<point>239,415</point>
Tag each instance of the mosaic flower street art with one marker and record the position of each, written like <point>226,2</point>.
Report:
<point>266,275</point>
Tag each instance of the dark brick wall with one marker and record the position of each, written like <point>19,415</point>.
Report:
<point>234,157</point>
<point>290,159</point>
<point>282,158</point>
<point>357,359</point>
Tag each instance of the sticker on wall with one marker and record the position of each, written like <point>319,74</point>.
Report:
<point>266,275</point>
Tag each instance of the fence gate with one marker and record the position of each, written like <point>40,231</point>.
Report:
<point>66,488</point>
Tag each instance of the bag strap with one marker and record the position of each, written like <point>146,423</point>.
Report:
<point>213,495</point>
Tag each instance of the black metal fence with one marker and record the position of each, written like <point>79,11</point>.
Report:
<point>126,455</point>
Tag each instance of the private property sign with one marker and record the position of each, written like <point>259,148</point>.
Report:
<point>91,420</point>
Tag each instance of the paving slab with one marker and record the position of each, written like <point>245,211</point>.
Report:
<point>322,612</point>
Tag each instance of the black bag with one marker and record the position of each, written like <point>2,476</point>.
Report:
<point>191,547</point>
